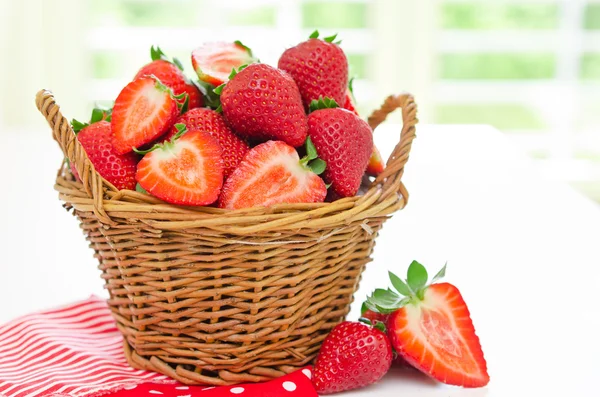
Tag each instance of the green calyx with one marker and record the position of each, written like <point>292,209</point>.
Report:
<point>411,290</point>
<point>328,39</point>
<point>245,47</point>
<point>322,103</point>
<point>183,106</point>
<point>211,99</point>
<point>157,54</point>
<point>378,324</point>
<point>167,145</point>
<point>312,161</point>
<point>99,113</point>
<point>140,189</point>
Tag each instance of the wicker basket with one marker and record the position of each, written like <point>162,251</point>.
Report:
<point>210,296</point>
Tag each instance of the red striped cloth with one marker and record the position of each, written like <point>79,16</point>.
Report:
<point>77,351</point>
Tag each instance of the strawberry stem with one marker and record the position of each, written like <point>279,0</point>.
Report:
<point>166,145</point>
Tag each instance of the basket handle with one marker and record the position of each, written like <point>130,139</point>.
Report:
<point>390,179</point>
<point>62,133</point>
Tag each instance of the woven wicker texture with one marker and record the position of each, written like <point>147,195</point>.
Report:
<point>211,296</point>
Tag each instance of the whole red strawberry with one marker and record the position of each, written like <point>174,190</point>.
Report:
<point>207,120</point>
<point>353,355</point>
<point>319,67</point>
<point>263,102</point>
<point>118,169</point>
<point>344,141</point>
<point>171,74</point>
<point>430,327</point>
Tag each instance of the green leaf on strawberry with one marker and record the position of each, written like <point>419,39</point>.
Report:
<point>406,291</point>
<point>78,125</point>
<point>211,99</point>
<point>330,39</point>
<point>140,189</point>
<point>322,103</point>
<point>311,150</point>
<point>157,54</point>
<point>314,35</point>
<point>244,47</point>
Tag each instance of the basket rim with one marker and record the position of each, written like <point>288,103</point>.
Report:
<point>385,195</point>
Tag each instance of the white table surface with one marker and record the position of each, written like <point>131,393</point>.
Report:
<point>524,251</point>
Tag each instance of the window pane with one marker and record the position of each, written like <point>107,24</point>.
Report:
<point>358,65</point>
<point>336,15</point>
<point>592,16</point>
<point>501,116</point>
<point>499,16</point>
<point>182,13</point>
<point>107,64</point>
<point>497,66</point>
<point>258,16</point>
<point>590,66</point>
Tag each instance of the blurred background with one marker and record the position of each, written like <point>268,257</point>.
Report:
<point>531,68</point>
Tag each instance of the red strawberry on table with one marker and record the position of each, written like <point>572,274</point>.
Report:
<point>353,355</point>
<point>319,67</point>
<point>170,73</point>
<point>273,173</point>
<point>431,328</point>
<point>96,140</point>
<point>186,170</point>
<point>144,110</point>
<point>263,102</point>
<point>344,141</point>
<point>207,120</point>
<point>213,62</point>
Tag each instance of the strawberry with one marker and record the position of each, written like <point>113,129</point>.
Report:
<point>344,141</point>
<point>319,67</point>
<point>213,62</point>
<point>353,355</point>
<point>170,73</point>
<point>207,120</point>
<point>272,173</point>
<point>376,164</point>
<point>144,110</point>
<point>431,328</point>
<point>263,102</point>
<point>186,170</point>
<point>96,140</point>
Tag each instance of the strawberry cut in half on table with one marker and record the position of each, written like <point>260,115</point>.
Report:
<point>262,102</point>
<point>344,141</point>
<point>353,355</point>
<point>319,67</point>
<point>170,73</point>
<point>96,140</point>
<point>431,328</point>
<point>185,170</point>
<point>213,62</point>
<point>207,120</point>
<point>144,110</point>
<point>273,173</point>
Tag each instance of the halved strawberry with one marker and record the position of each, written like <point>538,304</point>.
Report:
<point>186,170</point>
<point>272,173</point>
<point>349,102</point>
<point>213,62</point>
<point>170,73</point>
<point>376,164</point>
<point>431,328</point>
<point>144,110</point>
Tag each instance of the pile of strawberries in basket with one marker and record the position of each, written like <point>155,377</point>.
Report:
<point>244,134</point>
